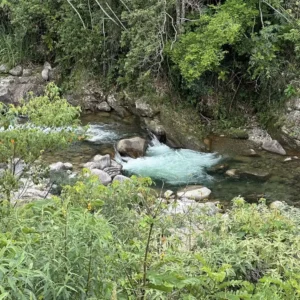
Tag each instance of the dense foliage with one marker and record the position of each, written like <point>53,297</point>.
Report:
<point>116,242</point>
<point>241,52</point>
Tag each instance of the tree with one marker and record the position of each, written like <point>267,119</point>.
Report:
<point>49,127</point>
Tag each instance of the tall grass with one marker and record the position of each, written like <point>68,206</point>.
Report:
<point>14,47</point>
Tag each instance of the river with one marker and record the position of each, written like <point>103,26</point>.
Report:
<point>175,168</point>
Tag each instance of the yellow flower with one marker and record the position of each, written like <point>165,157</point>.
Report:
<point>89,207</point>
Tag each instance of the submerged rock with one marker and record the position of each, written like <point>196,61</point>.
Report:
<point>197,194</point>
<point>250,153</point>
<point>218,169</point>
<point>233,173</point>
<point>248,174</point>
<point>134,147</point>
<point>274,147</point>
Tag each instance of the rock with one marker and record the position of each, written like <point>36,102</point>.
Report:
<point>277,205</point>
<point>103,161</point>
<point>157,129</point>
<point>121,178</point>
<point>250,153</point>
<point>103,177</point>
<point>56,167</point>
<point>16,71</point>
<point>45,74</point>
<point>27,72</point>
<point>288,159</point>
<point>116,165</point>
<point>99,162</point>
<point>5,92</point>
<point>233,173</point>
<point>59,166</point>
<point>13,89</point>
<point>55,75</point>
<point>112,171</point>
<point>134,147</point>
<point>254,174</point>
<point>169,194</point>
<point>236,133</point>
<point>248,174</point>
<point>195,194</point>
<point>185,206</point>
<point>259,136</point>
<point>253,198</point>
<point>274,147</point>
<point>4,69</point>
<point>217,169</point>
<point>68,166</point>
<point>103,106</point>
<point>114,104</point>
<point>144,109</point>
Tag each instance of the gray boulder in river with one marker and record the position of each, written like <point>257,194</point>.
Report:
<point>134,147</point>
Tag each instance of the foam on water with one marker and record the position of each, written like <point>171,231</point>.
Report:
<point>101,133</point>
<point>172,166</point>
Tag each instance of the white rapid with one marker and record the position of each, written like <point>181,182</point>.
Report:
<point>171,166</point>
<point>102,133</point>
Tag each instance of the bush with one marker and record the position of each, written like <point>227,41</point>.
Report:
<point>116,242</point>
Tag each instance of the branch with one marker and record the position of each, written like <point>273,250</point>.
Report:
<point>103,10</point>
<point>69,1</point>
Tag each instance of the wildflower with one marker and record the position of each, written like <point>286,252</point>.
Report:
<point>89,207</point>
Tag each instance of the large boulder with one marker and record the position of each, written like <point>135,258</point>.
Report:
<point>13,89</point>
<point>274,147</point>
<point>196,194</point>
<point>103,177</point>
<point>134,147</point>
